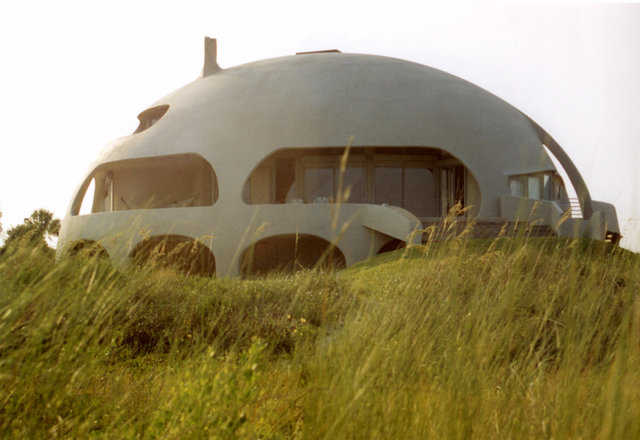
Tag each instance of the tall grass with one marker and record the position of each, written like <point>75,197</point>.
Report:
<point>510,338</point>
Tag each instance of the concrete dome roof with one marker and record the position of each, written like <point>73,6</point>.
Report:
<point>199,145</point>
<point>242,114</point>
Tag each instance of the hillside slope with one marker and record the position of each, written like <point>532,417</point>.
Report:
<point>512,338</point>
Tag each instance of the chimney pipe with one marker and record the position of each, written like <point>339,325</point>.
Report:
<point>210,57</point>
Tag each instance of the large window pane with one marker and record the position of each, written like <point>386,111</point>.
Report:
<point>535,187</point>
<point>318,185</point>
<point>557,188</point>
<point>356,179</point>
<point>161,183</point>
<point>547,191</point>
<point>420,192</point>
<point>388,185</point>
<point>517,186</point>
<point>148,183</point>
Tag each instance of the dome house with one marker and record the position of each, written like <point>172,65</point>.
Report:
<point>247,165</point>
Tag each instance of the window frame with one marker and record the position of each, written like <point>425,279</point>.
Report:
<point>546,179</point>
<point>109,170</point>
<point>368,159</point>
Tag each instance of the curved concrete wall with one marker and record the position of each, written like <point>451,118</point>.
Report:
<point>236,117</point>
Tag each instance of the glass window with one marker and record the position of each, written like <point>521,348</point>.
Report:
<point>148,183</point>
<point>318,184</point>
<point>390,176</point>
<point>547,190</point>
<point>517,186</point>
<point>158,183</point>
<point>557,188</point>
<point>107,194</point>
<point>534,187</point>
<point>292,195</point>
<point>388,185</point>
<point>355,178</point>
<point>452,184</point>
<point>420,192</point>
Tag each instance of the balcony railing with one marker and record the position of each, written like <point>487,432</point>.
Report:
<point>573,205</point>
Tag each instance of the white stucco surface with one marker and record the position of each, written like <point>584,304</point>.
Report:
<point>236,117</point>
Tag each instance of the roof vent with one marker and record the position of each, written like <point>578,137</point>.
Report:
<point>319,51</point>
<point>210,57</point>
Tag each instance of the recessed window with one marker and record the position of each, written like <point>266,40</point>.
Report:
<point>318,184</point>
<point>426,181</point>
<point>422,203</point>
<point>534,187</point>
<point>355,178</point>
<point>537,186</point>
<point>517,187</point>
<point>176,181</point>
<point>150,116</point>
<point>388,184</point>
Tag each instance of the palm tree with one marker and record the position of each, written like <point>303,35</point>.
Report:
<point>43,222</point>
<point>35,230</point>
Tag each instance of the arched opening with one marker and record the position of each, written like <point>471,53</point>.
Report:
<point>150,116</point>
<point>183,254</point>
<point>426,181</point>
<point>392,245</point>
<point>174,181</point>
<point>288,253</point>
<point>89,248</point>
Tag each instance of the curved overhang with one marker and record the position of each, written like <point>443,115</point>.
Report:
<point>572,171</point>
<point>242,114</point>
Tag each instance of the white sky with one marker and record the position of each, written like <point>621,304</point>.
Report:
<point>74,75</point>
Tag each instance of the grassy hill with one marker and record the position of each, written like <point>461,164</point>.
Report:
<point>512,338</point>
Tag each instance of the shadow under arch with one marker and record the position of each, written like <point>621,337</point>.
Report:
<point>288,253</point>
<point>392,245</point>
<point>177,252</point>
<point>85,247</point>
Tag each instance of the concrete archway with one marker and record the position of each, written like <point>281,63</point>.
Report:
<point>89,248</point>
<point>288,253</point>
<point>178,252</point>
<point>392,245</point>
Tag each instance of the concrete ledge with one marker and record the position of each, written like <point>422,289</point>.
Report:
<point>487,228</point>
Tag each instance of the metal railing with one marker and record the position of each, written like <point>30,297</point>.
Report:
<point>573,204</point>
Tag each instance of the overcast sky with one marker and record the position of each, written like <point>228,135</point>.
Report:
<point>75,74</point>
